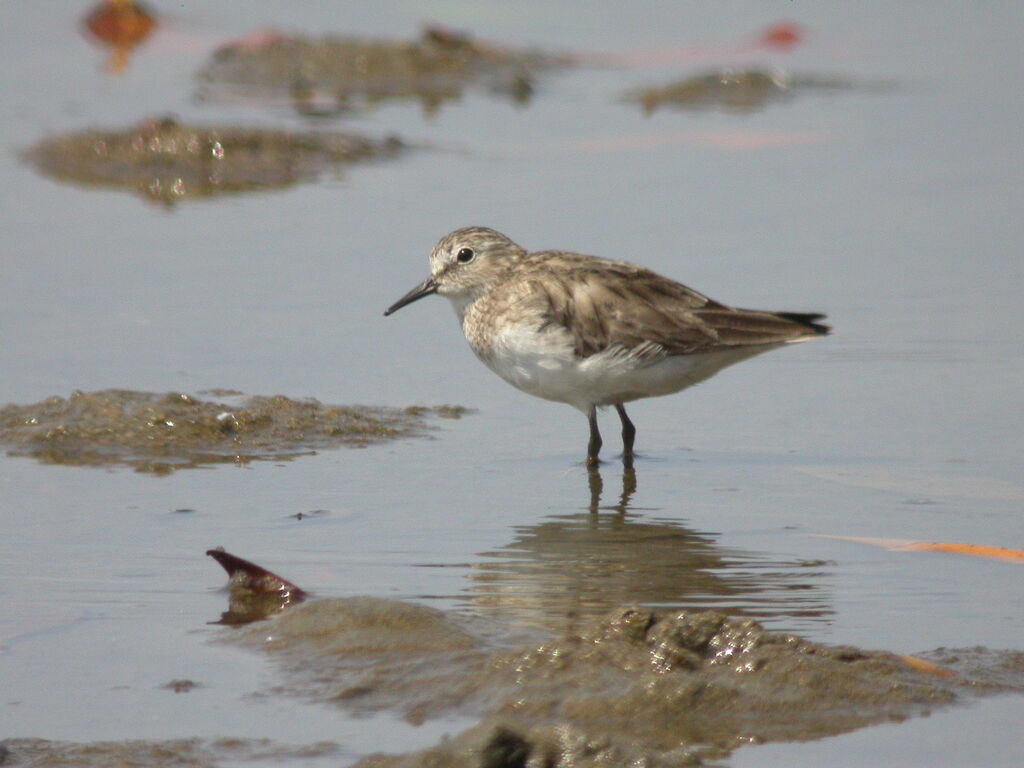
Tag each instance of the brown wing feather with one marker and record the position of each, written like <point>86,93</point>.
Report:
<point>737,327</point>
<point>605,304</point>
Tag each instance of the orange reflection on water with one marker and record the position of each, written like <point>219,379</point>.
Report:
<point>119,25</point>
<point>907,545</point>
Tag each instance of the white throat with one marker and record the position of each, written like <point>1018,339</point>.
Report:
<point>460,303</point>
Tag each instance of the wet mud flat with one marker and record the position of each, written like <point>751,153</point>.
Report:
<point>634,687</point>
<point>166,161</point>
<point>356,73</point>
<point>160,433</point>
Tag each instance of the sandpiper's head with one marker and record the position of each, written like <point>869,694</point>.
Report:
<point>463,265</point>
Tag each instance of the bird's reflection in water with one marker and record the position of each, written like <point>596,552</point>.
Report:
<point>596,484</point>
<point>574,566</point>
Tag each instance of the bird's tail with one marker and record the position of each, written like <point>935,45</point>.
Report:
<point>808,320</point>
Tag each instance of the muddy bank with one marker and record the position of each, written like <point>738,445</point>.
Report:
<point>172,753</point>
<point>334,74</point>
<point>160,433</point>
<point>735,90</point>
<point>166,161</point>
<point>633,687</point>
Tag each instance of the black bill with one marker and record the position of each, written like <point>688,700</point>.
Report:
<point>425,288</point>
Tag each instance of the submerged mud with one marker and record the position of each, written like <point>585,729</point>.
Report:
<point>171,753</point>
<point>166,161</point>
<point>635,687</point>
<point>160,433</point>
<point>736,90</point>
<point>333,74</point>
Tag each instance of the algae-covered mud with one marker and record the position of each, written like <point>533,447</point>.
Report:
<point>355,72</point>
<point>634,687</point>
<point>170,753</point>
<point>736,90</point>
<point>167,161</point>
<point>160,433</point>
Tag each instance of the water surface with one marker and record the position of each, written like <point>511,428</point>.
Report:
<point>895,210</point>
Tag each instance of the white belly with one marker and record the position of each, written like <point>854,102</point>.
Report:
<point>544,365</point>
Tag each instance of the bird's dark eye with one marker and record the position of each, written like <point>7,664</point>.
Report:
<point>465,256</point>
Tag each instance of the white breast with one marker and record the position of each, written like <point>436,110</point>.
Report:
<point>542,364</point>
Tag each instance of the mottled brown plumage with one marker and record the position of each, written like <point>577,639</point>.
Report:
<point>590,331</point>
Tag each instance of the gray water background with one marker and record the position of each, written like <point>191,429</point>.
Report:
<point>896,210</point>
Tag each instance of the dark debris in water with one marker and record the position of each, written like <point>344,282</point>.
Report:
<point>160,433</point>
<point>332,74</point>
<point>181,685</point>
<point>313,513</point>
<point>635,687</point>
<point>166,161</point>
<point>254,592</point>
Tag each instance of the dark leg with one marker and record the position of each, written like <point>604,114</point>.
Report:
<point>594,446</point>
<point>628,434</point>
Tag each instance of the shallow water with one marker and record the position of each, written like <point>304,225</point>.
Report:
<point>894,210</point>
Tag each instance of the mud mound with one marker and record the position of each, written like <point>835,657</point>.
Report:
<point>736,90</point>
<point>166,161</point>
<point>635,687</point>
<point>358,72</point>
<point>162,432</point>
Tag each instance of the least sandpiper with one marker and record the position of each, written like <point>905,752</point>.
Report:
<point>592,332</point>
